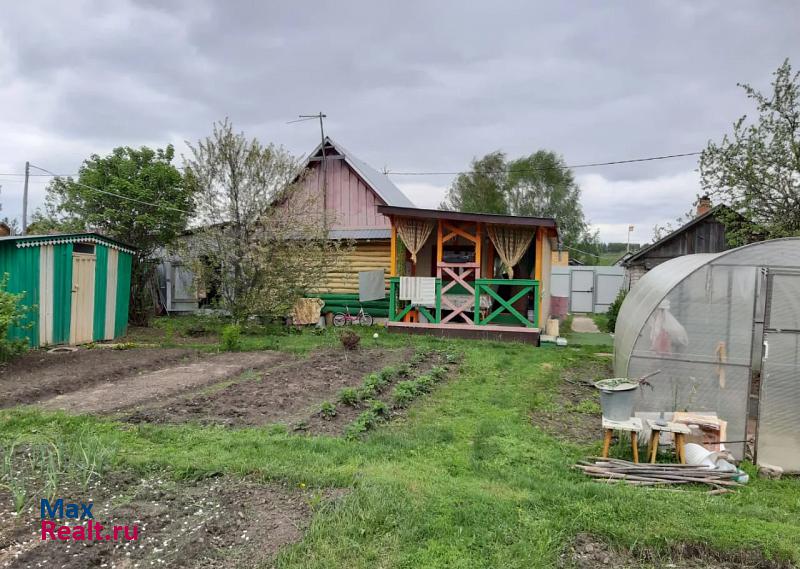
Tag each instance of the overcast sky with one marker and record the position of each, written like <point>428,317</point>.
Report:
<point>407,86</point>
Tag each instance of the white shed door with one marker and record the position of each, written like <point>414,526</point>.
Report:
<point>582,293</point>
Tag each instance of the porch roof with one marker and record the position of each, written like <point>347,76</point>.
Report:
<point>493,218</point>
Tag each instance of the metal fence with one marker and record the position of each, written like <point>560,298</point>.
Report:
<point>586,288</point>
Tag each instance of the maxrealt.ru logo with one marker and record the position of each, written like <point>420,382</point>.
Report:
<point>78,512</point>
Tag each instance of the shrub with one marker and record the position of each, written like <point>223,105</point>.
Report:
<point>12,314</point>
<point>349,340</point>
<point>405,392</point>
<point>231,340</point>
<point>349,396</point>
<point>327,410</point>
<point>613,310</point>
<point>379,408</point>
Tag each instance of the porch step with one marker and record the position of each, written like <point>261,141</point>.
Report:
<point>469,331</point>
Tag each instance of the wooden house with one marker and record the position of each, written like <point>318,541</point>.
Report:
<point>478,293</point>
<point>703,234</point>
<point>348,191</point>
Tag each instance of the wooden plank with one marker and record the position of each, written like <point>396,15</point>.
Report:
<point>468,331</point>
<point>439,247</point>
<point>393,246</point>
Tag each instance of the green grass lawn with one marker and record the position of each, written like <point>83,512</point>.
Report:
<point>465,480</point>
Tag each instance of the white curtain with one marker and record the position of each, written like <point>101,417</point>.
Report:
<point>414,233</point>
<point>510,243</point>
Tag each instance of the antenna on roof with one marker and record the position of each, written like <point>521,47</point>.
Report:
<point>324,167</point>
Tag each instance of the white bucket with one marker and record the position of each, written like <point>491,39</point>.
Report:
<point>698,455</point>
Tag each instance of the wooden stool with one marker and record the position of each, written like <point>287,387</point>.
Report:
<point>632,425</point>
<point>678,429</point>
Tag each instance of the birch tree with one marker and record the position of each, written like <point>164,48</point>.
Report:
<point>263,235</point>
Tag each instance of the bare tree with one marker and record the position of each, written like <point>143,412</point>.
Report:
<point>260,233</point>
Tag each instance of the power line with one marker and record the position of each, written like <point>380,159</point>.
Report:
<point>39,175</point>
<point>114,194</point>
<point>545,168</point>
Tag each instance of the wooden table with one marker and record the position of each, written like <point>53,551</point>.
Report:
<point>678,429</point>
<point>632,426</point>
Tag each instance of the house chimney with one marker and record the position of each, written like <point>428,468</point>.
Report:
<point>703,205</point>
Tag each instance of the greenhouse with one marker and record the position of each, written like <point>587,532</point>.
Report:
<point>724,331</point>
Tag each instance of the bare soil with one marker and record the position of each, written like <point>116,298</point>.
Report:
<point>163,383</point>
<point>289,393</point>
<point>575,415</point>
<point>217,522</point>
<point>590,552</point>
<point>38,375</point>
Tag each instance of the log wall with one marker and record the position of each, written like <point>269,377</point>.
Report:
<point>365,256</point>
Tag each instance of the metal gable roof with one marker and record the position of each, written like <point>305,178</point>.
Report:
<point>379,183</point>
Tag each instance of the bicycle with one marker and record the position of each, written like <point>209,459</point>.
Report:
<point>342,318</point>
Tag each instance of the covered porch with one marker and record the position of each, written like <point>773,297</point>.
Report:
<point>489,274</point>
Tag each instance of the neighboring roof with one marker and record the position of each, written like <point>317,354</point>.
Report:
<point>699,219</point>
<point>359,234</point>
<point>58,238</point>
<point>379,183</point>
<point>494,218</point>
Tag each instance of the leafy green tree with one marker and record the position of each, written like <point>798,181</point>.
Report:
<point>135,195</point>
<point>482,189</point>
<point>541,185</point>
<point>756,170</point>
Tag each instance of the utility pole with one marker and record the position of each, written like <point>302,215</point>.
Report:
<point>25,199</point>
<point>630,230</point>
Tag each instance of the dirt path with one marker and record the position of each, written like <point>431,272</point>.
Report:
<point>584,324</point>
<point>162,383</point>
<point>39,375</point>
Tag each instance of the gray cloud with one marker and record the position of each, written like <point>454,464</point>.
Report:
<point>411,86</point>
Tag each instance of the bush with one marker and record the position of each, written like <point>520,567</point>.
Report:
<point>12,314</point>
<point>613,310</point>
<point>405,392</point>
<point>349,340</point>
<point>327,410</point>
<point>349,396</point>
<point>231,340</point>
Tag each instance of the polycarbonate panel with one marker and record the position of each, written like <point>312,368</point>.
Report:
<point>708,317</point>
<point>644,297</point>
<point>696,387</point>
<point>774,253</point>
<point>778,430</point>
<point>784,313</point>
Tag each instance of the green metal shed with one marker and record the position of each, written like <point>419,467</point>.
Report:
<point>77,284</point>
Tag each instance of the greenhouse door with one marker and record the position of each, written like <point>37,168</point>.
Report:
<point>778,441</point>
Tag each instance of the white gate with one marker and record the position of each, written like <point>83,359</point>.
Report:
<point>587,288</point>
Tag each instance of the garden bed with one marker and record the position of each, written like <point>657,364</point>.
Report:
<point>289,393</point>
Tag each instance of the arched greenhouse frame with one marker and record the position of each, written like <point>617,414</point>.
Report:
<point>724,329</point>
